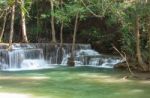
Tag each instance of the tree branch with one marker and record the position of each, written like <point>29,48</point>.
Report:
<point>90,10</point>
<point>124,57</point>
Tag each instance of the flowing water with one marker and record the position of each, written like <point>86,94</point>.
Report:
<point>22,58</point>
<point>44,55</point>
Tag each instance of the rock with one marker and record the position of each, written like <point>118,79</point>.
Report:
<point>121,66</point>
<point>4,45</point>
<point>71,62</point>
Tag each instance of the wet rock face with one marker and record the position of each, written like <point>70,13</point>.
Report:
<point>3,46</point>
<point>4,58</point>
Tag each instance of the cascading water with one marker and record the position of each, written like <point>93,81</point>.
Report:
<point>90,57</point>
<point>23,57</point>
<point>44,55</point>
<point>84,55</point>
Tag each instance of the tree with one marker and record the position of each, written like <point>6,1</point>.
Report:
<point>75,9</point>
<point>140,7</point>
<point>53,22</point>
<point>71,59</point>
<point>10,5</point>
<point>5,10</point>
<point>62,25</point>
<point>129,14</point>
<point>4,24</point>
<point>23,21</point>
<point>148,27</point>
<point>62,19</point>
<point>149,37</point>
<point>133,20</point>
<point>12,24</point>
<point>138,45</point>
<point>98,8</point>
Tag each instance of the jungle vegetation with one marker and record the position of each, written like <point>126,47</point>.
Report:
<point>124,24</point>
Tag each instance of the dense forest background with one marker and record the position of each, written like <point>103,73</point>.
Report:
<point>105,24</point>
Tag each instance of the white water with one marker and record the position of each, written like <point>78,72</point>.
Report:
<point>89,57</point>
<point>23,58</point>
<point>41,56</point>
<point>31,64</point>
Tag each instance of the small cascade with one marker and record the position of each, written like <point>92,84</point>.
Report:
<point>89,57</point>
<point>60,54</point>
<point>44,55</point>
<point>23,57</point>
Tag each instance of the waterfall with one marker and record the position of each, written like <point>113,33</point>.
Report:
<point>89,57</point>
<point>45,55</point>
<point>22,57</point>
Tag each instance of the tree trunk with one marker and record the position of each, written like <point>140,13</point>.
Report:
<point>138,48</point>
<point>52,22</point>
<point>148,1</point>
<point>61,34</point>
<point>149,38</point>
<point>4,24</point>
<point>71,59</point>
<point>23,22</point>
<point>12,26</point>
<point>61,28</point>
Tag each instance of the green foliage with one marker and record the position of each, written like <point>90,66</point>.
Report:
<point>34,33</point>
<point>93,34</point>
<point>62,16</point>
<point>128,41</point>
<point>2,4</point>
<point>74,7</point>
<point>10,2</point>
<point>111,20</point>
<point>127,21</point>
<point>25,6</point>
<point>99,7</point>
<point>131,11</point>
